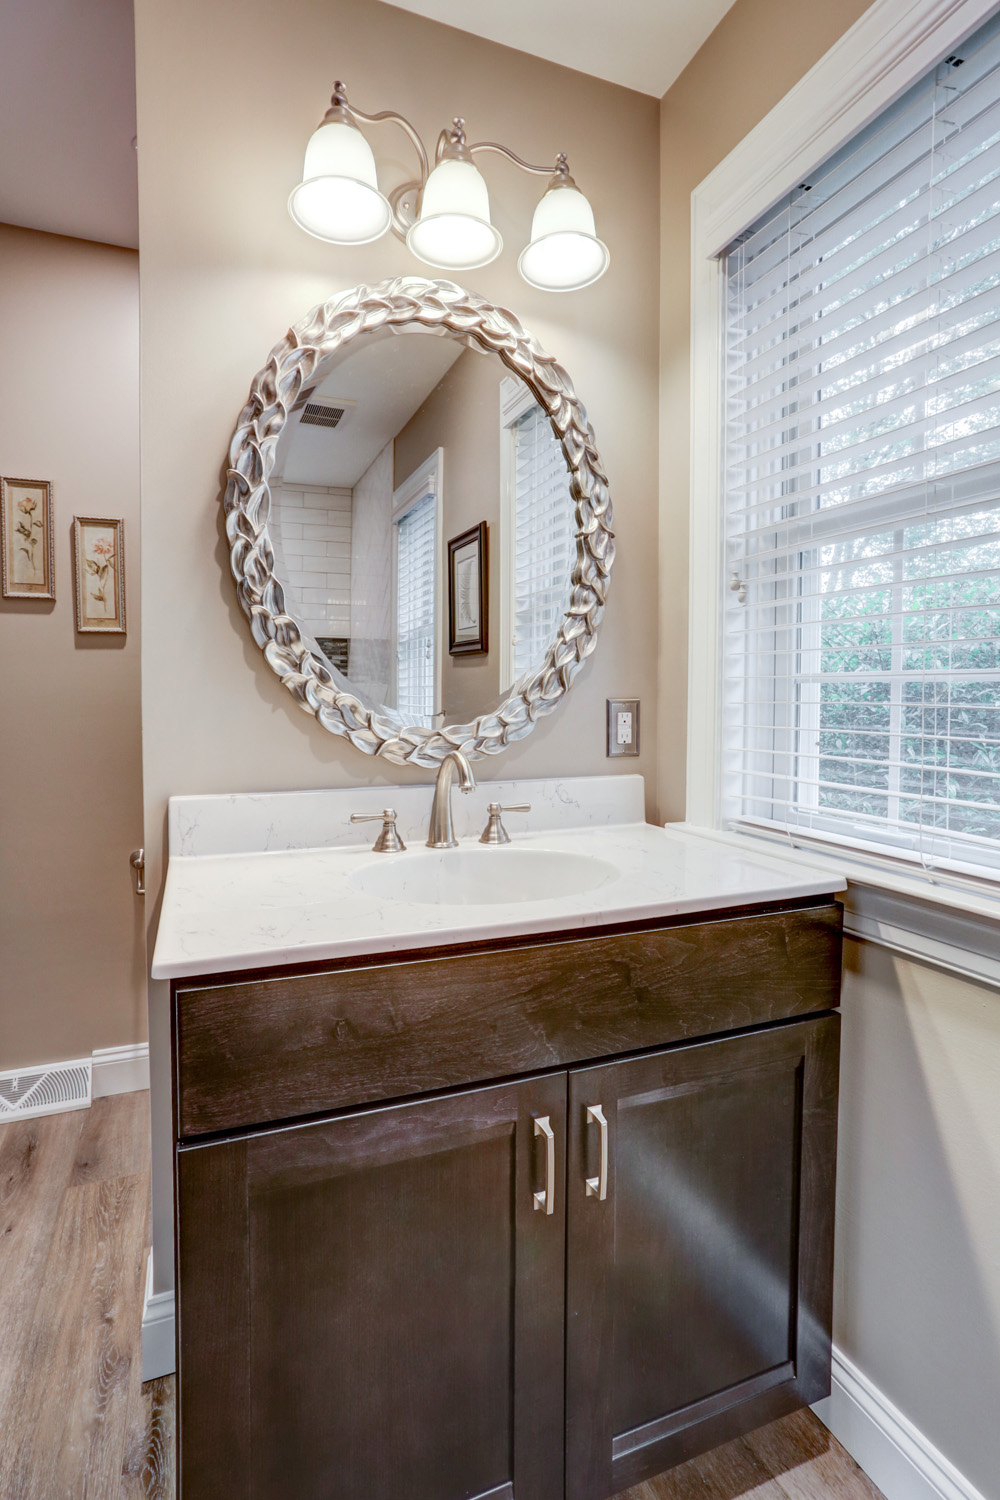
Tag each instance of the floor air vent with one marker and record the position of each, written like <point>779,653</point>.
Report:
<point>45,1091</point>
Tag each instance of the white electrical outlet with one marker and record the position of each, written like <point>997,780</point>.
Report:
<point>623,726</point>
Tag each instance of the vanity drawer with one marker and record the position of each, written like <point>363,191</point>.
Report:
<point>252,1051</point>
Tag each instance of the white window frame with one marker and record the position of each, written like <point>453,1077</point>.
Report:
<point>515,400</point>
<point>887,50</point>
<point>426,479</point>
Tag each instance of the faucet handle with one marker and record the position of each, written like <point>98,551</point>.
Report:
<point>494,832</point>
<point>388,841</point>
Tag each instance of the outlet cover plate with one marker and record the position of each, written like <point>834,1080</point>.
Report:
<point>623,726</point>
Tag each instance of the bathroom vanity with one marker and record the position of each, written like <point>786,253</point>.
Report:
<point>503,1171</point>
<point>509,1198</point>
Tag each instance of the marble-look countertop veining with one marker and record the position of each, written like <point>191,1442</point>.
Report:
<point>268,880</point>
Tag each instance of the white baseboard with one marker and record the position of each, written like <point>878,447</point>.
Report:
<point>895,1455</point>
<point>158,1350</point>
<point>120,1070</point>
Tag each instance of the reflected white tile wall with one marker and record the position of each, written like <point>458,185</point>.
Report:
<point>310,527</point>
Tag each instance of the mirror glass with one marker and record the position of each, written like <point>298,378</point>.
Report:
<point>422,523</point>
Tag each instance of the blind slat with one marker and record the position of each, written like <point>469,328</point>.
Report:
<point>415,583</point>
<point>544,538</point>
<point>861,686</point>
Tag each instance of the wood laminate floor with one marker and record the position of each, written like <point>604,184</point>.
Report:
<point>75,1421</point>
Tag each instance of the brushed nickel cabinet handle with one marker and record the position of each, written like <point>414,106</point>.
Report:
<point>547,1197</point>
<point>597,1187</point>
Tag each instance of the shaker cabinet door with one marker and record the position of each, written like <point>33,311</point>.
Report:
<point>372,1306</point>
<point>699,1248</point>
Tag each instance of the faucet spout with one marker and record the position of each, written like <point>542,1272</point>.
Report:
<point>442,830</point>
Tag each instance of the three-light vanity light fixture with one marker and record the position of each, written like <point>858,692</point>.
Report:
<point>444,216</point>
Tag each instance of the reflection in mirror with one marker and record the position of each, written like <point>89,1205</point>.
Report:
<point>401,443</point>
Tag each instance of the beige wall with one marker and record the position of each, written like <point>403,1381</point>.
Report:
<point>72,960</point>
<point>462,416</point>
<point>224,271</point>
<point>753,57</point>
<point>228,94</point>
<point>917,1304</point>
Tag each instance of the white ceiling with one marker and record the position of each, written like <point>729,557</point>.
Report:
<point>385,380</point>
<point>67,88</point>
<point>67,118</point>
<point>643,44</point>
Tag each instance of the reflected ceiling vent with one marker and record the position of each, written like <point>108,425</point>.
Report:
<point>325,413</point>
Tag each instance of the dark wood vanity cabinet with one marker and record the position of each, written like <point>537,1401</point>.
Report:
<point>555,1284</point>
<point>379,1305</point>
<point>698,1291</point>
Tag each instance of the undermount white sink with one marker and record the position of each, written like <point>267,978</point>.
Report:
<point>481,876</point>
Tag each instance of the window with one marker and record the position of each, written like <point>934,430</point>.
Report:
<point>862,474</point>
<point>538,533</point>
<point>416,606</point>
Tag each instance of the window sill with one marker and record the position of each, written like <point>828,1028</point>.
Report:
<point>956,930</point>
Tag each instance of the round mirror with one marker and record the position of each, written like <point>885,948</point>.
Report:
<point>419,522</point>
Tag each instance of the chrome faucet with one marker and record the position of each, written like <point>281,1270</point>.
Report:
<point>442,830</point>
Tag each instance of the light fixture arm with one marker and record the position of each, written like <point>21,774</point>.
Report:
<point>404,124</point>
<point>342,109</point>
<point>560,169</point>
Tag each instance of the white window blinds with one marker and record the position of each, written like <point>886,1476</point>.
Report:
<point>544,538</point>
<point>415,549</point>
<point>862,673</point>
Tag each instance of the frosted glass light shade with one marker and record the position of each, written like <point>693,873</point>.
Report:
<point>453,228</point>
<point>338,198</point>
<point>565,253</point>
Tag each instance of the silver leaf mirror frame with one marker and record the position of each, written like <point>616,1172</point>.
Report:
<point>434,307</point>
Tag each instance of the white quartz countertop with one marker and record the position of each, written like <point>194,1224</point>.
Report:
<point>235,899</point>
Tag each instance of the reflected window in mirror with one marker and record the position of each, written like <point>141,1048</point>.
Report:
<point>417,510</point>
<point>362,512</point>
<point>538,532</point>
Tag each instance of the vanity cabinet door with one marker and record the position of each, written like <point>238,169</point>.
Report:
<point>699,1260</point>
<point>372,1306</point>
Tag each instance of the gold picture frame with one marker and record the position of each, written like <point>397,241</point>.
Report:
<point>27,531</point>
<point>99,573</point>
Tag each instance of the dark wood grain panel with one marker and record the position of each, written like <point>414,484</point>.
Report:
<point>213,1321</point>
<point>387,1305</point>
<point>698,1292</point>
<point>278,1048</point>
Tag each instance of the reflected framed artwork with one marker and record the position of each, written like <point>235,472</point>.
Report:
<point>27,569</point>
<point>99,566</point>
<point>468,603</point>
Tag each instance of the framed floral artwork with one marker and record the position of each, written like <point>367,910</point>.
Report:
<point>27,568</point>
<point>99,565</point>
